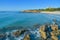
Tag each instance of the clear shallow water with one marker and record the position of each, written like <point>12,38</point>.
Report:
<point>25,19</point>
<point>10,19</point>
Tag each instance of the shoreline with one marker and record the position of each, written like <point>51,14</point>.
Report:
<point>47,12</point>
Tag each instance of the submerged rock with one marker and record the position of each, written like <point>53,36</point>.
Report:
<point>2,36</point>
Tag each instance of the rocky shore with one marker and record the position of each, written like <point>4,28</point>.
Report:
<point>31,11</point>
<point>43,32</point>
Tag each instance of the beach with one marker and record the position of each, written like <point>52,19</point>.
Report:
<point>49,12</point>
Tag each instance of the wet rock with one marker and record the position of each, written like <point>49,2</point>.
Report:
<point>55,33</point>
<point>2,36</point>
<point>54,27</point>
<point>19,32</point>
<point>27,37</point>
<point>49,32</point>
<point>42,33</point>
<point>54,38</point>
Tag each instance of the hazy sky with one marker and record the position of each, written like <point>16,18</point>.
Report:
<point>16,5</point>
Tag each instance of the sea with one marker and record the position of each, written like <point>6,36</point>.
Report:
<point>25,20</point>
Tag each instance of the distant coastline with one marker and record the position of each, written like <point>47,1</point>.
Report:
<point>46,10</point>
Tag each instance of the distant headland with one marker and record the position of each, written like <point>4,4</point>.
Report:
<point>46,10</point>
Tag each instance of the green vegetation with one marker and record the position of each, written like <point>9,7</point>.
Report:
<point>46,9</point>
<point>51,9</point>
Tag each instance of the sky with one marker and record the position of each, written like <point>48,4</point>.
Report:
<point>17,5</point>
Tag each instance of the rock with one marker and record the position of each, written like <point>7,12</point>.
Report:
<point>27,37</point>
<point>2,36</point>
<point>54,27</point>
<point>55,33</point>
<point>19,32</point>
<point>42,33</point>
<point>47,34</point>
<point>54,38</point>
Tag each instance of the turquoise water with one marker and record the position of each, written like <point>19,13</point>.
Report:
<point>25,19</point>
